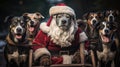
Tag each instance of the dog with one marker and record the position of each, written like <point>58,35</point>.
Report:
<point>62,32</point>
<point>33,25</point>
<point>16,52</point>
<point>92,20</point>
<point>111,15</point>
<point>106,53</point>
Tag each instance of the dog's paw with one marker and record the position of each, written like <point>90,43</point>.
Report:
<point>45,60</point>
<point>76,58</point>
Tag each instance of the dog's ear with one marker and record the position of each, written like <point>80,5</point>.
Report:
<point>113,25</point>
<point>8,18</point>
<point>81,24</point>
<point>100,15</point>
<point>25,14</point>
<point>117,12</point>
<point>85,16</point>
<point>26,18</point>
<point>39,15</point>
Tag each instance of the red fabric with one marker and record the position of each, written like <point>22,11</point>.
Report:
<point>43,41</point>
<point>57,60</point>
<point>49,21</point>
<point>87,43</point>
<point>61,4</point>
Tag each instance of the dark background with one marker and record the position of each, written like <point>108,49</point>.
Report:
<point>18,7</point>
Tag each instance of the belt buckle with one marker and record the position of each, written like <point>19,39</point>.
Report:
<point>64,52</point>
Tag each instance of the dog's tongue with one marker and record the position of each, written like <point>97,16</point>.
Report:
<point>105,39</point>
<point>31,29</point>
<point>18,36</point>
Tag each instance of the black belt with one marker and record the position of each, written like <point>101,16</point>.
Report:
<point>62,52</point>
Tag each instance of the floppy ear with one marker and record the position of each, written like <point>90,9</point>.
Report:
<point>85,16</point>
<point>100,15</point>
<point>26,18</point>
<point>39,15</point>
<point>8,18</point>
<point>81,24</point>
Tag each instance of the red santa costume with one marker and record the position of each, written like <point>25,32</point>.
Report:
<point>50,41</point>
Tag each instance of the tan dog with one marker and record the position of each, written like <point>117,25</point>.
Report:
<point>32,24</point>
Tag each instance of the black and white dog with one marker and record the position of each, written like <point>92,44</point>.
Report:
<point>16,54</point>
<point>106,53</point>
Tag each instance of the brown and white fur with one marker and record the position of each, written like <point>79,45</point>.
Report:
<point>32,25</point>
<point>16,54</point>
<point>106,54</point>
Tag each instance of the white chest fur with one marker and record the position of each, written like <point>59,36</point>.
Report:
<point>106,54</point>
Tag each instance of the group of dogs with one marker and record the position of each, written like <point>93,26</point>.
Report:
<point>22,31</point>
<point>102,29</point>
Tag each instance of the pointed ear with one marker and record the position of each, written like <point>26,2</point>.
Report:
<point>85,16</point>
<point>8,18</point>
<point>25,14</point>
<point>39,15</point>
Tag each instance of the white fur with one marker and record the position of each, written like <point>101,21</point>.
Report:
<point>60,37</point>
<point>67,59</point>
<point>39,52</point>
<point>44,27</point>
<point>61,9</point>
<point>106,54</point>
<point>83,37</point>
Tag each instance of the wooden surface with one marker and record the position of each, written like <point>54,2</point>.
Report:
<point>68,65</point>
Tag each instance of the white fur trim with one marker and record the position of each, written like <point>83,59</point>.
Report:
<point>67,59</point>
<point>39,52</point>
<point>44,27</point>
<point>61,9</point>
<point>83,37</point>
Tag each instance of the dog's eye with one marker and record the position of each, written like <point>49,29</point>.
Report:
<point>102,26</point>
<point>91,17</point>
<point>22,24</point>
<point>14,23</point>
<point>59,16</point>
<point>35,18</point>
<point>67,16</point>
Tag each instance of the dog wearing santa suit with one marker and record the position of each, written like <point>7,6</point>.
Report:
<point>59,38</point>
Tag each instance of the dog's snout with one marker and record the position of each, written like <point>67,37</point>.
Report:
<point>64,21</point>
<point>19,29</point>
<point>106,31</point>
<point>31,23</point>
<point>94,22</point>
<point>111,18</point>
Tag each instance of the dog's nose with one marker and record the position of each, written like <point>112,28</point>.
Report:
<point>19,29</point>
<point>94,22</point>
<point>111,18</point>
<point>106,31</point>
<point>64,21</point>
<point>32,23</point>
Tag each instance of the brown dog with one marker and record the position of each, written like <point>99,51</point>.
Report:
<point>32,24</point>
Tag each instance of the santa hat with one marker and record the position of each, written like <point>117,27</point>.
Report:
<point>59,8</point>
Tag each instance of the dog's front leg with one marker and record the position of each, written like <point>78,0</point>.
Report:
<point>23,58</point>
<point>82,53</point>
<point>14,57</point>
